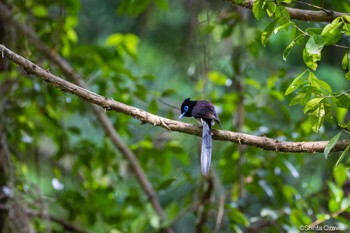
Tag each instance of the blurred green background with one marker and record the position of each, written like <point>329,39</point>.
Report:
<point>153,55</point>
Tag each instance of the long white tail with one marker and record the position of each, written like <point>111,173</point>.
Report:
<point>206,148</point>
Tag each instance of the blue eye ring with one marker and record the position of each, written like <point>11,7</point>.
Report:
<point>186,108</point>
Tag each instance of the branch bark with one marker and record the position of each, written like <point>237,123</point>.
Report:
<point>300,14</point>
<point>146,117</point>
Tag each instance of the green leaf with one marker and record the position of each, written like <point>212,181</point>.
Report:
<point>340,174</point>
<point>297,99</point>
<point>268,31</point>
<point>336,192</point>
<point>346,18</point>
<point>342,101</point>
<point>237,216</point>
<point>217,78</point>
<point>347,75</point>
<point>270,8</point>
<point>114,39</point>
<point>162,4</point>
<point>141,92</point>
<point>312,105</point>
<point>298,217</point>
<point>283,26</point>
<point>311,59</point>
<point>297,36</point>
<point>287,50</point>
<point>132,7</point>
<point>153,107</point>
<point>341,157</point>
<point>315,44</point>
<point>40,11</point>
<point>314,31</point>
<point>282,12</point>
<point>258,9</point>
<point>345,61</point>
<point>331,144</point>
<point>331,32</point>
<point>131,42</point>
<point>165,183</point>
<point>333,206</point>
<point>325,86</point>
<point>297,82</point>
<point>124,43</point>
<point>317,117</point>
<point>314,81</point>
<point>167,92</point>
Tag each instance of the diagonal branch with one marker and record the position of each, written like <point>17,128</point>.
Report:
<point>101,115</point>
<point>301,14</point>
<point>146,117</point>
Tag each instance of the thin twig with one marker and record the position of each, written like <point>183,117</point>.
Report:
<point>333,215</point>
<point>314,6</point>
<point>301,14</point>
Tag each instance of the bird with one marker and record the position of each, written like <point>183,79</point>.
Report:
<point>205,112</point>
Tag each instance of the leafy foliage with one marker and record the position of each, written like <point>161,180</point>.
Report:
<point>272,73</point>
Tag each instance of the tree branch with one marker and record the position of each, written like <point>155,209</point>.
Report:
<point>101,115</point>
<point>300,14</point>
<point>146,117</point>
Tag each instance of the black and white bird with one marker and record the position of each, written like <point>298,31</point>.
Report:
<point>205,112</point>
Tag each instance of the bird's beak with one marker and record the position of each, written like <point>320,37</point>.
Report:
<point>182,115</point>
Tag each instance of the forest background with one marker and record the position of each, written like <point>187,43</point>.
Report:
<point>117,159</point>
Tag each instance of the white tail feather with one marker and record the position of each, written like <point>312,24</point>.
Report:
<point>206,148</point>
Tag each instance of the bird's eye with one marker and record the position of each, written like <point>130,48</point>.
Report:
<point>186,108</point>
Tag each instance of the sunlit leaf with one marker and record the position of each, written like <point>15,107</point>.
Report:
<point>258,9</point>
<point>297,82</point>
<point>331,32</point>
<point>345,61</point>
<point>340,174</point>
<point>217,78</point>
<point>270,8</point>
<point>333,205</point>
<point>314,81</point>
<point>311,59</point>
<point>298,217</point>
<point>288,49</point>
<point>317,117</point>
<point>297,99</point>
<point>347,75</point>
<point>282,12</point>
<point>283,26</point>
<point>336,192</point>
<point>342,156</point>
<point>40,11</point>
<point>268,31</point>
<point>314,45</point>
<point>331,143</point>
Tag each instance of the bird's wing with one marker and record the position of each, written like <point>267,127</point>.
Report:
<point>205,110</point>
